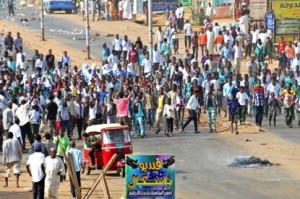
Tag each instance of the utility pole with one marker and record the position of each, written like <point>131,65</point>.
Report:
<point>150,29</point>
<point>87,29</point>
<point>43,22</point>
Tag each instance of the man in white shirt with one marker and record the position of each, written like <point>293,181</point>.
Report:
<point>147,65</point>
<point>19,56</point>
<point>36,169</point>
<point>117,46</point>
<point>159,37</point>
<point>12,154</point>
<point>113,60</point>
<point>238,54</point>
<point>243,100</point>
<point>22,114</point>
<point>187,34</point>
<point>296,62</point>
<point>16,130</point>
<point>273,87</point>
<point>297,47</point>
<point>156,58</point>
<point>65,59</point>
<point>193,107</point>
<point>210,11</point>
<point>40,63</point>
<point>255,36</point>
<point>125,48</point>
<point>244,23</point>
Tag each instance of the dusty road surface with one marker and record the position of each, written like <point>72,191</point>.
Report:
<point>202,160</point>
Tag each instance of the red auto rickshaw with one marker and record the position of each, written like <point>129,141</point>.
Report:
<point>114,139</point>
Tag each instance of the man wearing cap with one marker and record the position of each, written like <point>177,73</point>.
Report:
<point>36,169</point>
<point>12,155</point>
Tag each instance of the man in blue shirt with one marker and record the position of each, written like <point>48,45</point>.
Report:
<point>105,52</point>
<point>78,164</point>
<point>227,93</point>
<point>226,52</point>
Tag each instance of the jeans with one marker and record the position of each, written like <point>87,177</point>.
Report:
<point>259,114</point>
<point>65,124</point>
<point>25,130</point>
<point>242,113</point>
<point>159,112</point>
<point>72,185</point>
<point>288,114</point>
<point>169,122</point>
<point>138,126</point>
<point>175,45</point>
<point>38,189</point>
<point>192,116</point>
<point>195,52</point>
<point>254,46</point>
<point>79,123</point>
<point>1,139</point>
<point>187,41</point>
<point>52,127</point>
<point>111,119</point>
<point>248,50</point>
<point>150,116</point>
<point>125,58</point>
<point>35,128</point>
<point>11,10</point>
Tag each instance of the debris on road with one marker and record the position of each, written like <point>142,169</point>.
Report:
<point>250,162</point>
<point>248,140</point>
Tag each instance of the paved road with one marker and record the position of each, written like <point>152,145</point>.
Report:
<point>201,160</point>
<point>64,31</point>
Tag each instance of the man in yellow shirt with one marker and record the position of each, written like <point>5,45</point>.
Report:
<point>160,107</point>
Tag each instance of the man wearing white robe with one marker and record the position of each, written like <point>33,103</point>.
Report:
<point>244,22</point>
<point>210,11</point>
<point>127,10</point>
<point>210,40</point>
<point>54,169</point>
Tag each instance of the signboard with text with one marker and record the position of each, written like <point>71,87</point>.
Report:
<point>286,9</point>
<point>186,3</point>
<point>258,9</point>
<point>287,26</point>
<point>150,176</point>
<point>269,21</point>
<point>286,38</point>
<point>162,5</point>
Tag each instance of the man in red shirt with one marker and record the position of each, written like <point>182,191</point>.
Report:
<point>281,45</point>
<point>133,58</point>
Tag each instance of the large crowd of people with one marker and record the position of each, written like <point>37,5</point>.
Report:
<point>148,90</point>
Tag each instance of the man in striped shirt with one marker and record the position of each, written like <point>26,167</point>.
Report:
<point>248,42</point>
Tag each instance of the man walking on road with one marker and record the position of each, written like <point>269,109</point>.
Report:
<point>54,168</point>
<point>78,165</point>
<point>12,155</point>
<point>258,102</point>
<point>193,106</point>
<point>36,169</point>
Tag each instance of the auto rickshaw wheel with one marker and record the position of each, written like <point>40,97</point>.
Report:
<point>88,170</point>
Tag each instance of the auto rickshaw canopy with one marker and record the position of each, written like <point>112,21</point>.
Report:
<point>101,128</point>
